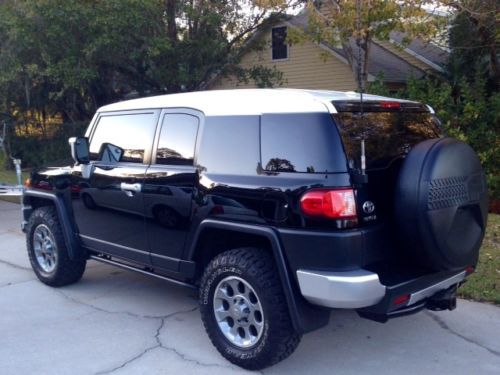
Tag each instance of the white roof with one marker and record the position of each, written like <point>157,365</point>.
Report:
<point>245,101</point>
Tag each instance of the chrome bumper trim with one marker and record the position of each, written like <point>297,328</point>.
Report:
<point>433,289</point>
<point>345,290</point>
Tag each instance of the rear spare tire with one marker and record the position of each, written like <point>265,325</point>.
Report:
<point>441,204</point>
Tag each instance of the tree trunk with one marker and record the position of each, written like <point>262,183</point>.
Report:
<point>171,10</point>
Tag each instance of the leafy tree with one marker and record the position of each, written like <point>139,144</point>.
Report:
<point>475,39</point>
<point>62,59</point>
<point>67,57</point>
<point>353,24</point>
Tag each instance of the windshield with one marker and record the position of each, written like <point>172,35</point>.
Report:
<point>387,135</point>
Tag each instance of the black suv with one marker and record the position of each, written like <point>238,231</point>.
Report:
<point>278,205</point>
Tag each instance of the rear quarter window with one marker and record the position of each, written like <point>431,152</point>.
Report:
<point>301,142</point>
<point>230,144</point>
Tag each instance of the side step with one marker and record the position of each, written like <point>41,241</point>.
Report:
<point>142,271</point>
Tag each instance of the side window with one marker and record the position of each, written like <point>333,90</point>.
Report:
<point>177,139</point>
<point>301,142</point>
<point>230,144</point>
<point>123,138</point>
<point>279,46</point>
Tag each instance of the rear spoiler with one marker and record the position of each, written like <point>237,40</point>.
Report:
<point>379,106</point>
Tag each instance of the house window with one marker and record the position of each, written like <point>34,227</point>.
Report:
<point>279,46</point>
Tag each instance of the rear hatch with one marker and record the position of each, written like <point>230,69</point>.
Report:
<point>387,130</point>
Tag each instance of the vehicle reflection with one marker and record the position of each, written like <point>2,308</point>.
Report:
<point>219,205</point>
<point>168,205</point>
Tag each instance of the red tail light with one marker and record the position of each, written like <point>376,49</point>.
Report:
<point>217,210</point>
<point>390,105</point>
<point>399,300</point>
<point>75,188</point>
<point>332,204</point>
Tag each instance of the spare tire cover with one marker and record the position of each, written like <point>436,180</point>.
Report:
<point>441,204</point>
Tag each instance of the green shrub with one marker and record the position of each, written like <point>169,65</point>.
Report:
<point>37,150</point>
<point>467,112</point>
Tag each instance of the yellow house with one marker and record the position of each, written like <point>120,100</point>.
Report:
<point>312,65</point>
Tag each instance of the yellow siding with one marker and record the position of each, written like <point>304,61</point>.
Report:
<point>303,69</point>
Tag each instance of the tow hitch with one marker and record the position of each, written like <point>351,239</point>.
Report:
<point>444,300</point>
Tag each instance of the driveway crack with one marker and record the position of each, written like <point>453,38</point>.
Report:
<point>126,363</point>
<point>133,315</point>
<point>184,357</point>
<point>16,266</point>
<point>441,323</point>
<point>156,337</point>
<point>159,345</point>
<point>20,282</point>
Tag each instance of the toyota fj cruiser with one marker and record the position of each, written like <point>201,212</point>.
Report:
<point>277,205</point>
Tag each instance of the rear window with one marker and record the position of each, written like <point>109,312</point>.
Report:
<point>387,135</point>
<point>301,142</point>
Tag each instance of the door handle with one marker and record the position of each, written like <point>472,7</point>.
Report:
<point>130,189</point>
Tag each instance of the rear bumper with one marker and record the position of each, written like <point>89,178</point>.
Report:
<point>349,290</point>
<point>362,289</point>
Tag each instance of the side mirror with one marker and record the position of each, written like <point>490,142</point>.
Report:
<point>79,149</point>
<point>110,153</point>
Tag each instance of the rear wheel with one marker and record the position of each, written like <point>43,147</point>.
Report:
<point>167,217</point>
<point>47,250</point>
<point>244,309</point>
<point>88,201</point>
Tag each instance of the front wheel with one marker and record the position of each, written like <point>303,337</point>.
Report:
<point>244,309</point>
<point>47,250</point>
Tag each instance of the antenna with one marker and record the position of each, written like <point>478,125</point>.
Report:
<point>359,68</point>
<point>361,84</point>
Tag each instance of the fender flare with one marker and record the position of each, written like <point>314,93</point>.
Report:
<point>305,317</point>
<point>72,245</point>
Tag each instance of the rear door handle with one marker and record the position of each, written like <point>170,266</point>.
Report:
<point>130,189</point>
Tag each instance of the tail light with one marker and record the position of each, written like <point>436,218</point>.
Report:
<point>390,105</point>
<point>74,188</point>
<point>331,204</point>
<point>402,299</point>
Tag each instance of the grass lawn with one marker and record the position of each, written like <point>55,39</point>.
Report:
<point>9,177</point>
<point>484,284</point>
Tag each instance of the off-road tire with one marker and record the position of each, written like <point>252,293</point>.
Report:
<point>257,268</point>
<point>66,271</point>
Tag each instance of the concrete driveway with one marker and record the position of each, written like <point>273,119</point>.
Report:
<point>119,322</point>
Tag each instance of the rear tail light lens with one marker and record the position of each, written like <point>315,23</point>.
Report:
<point>332,204</point>
<point>400,300</point>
